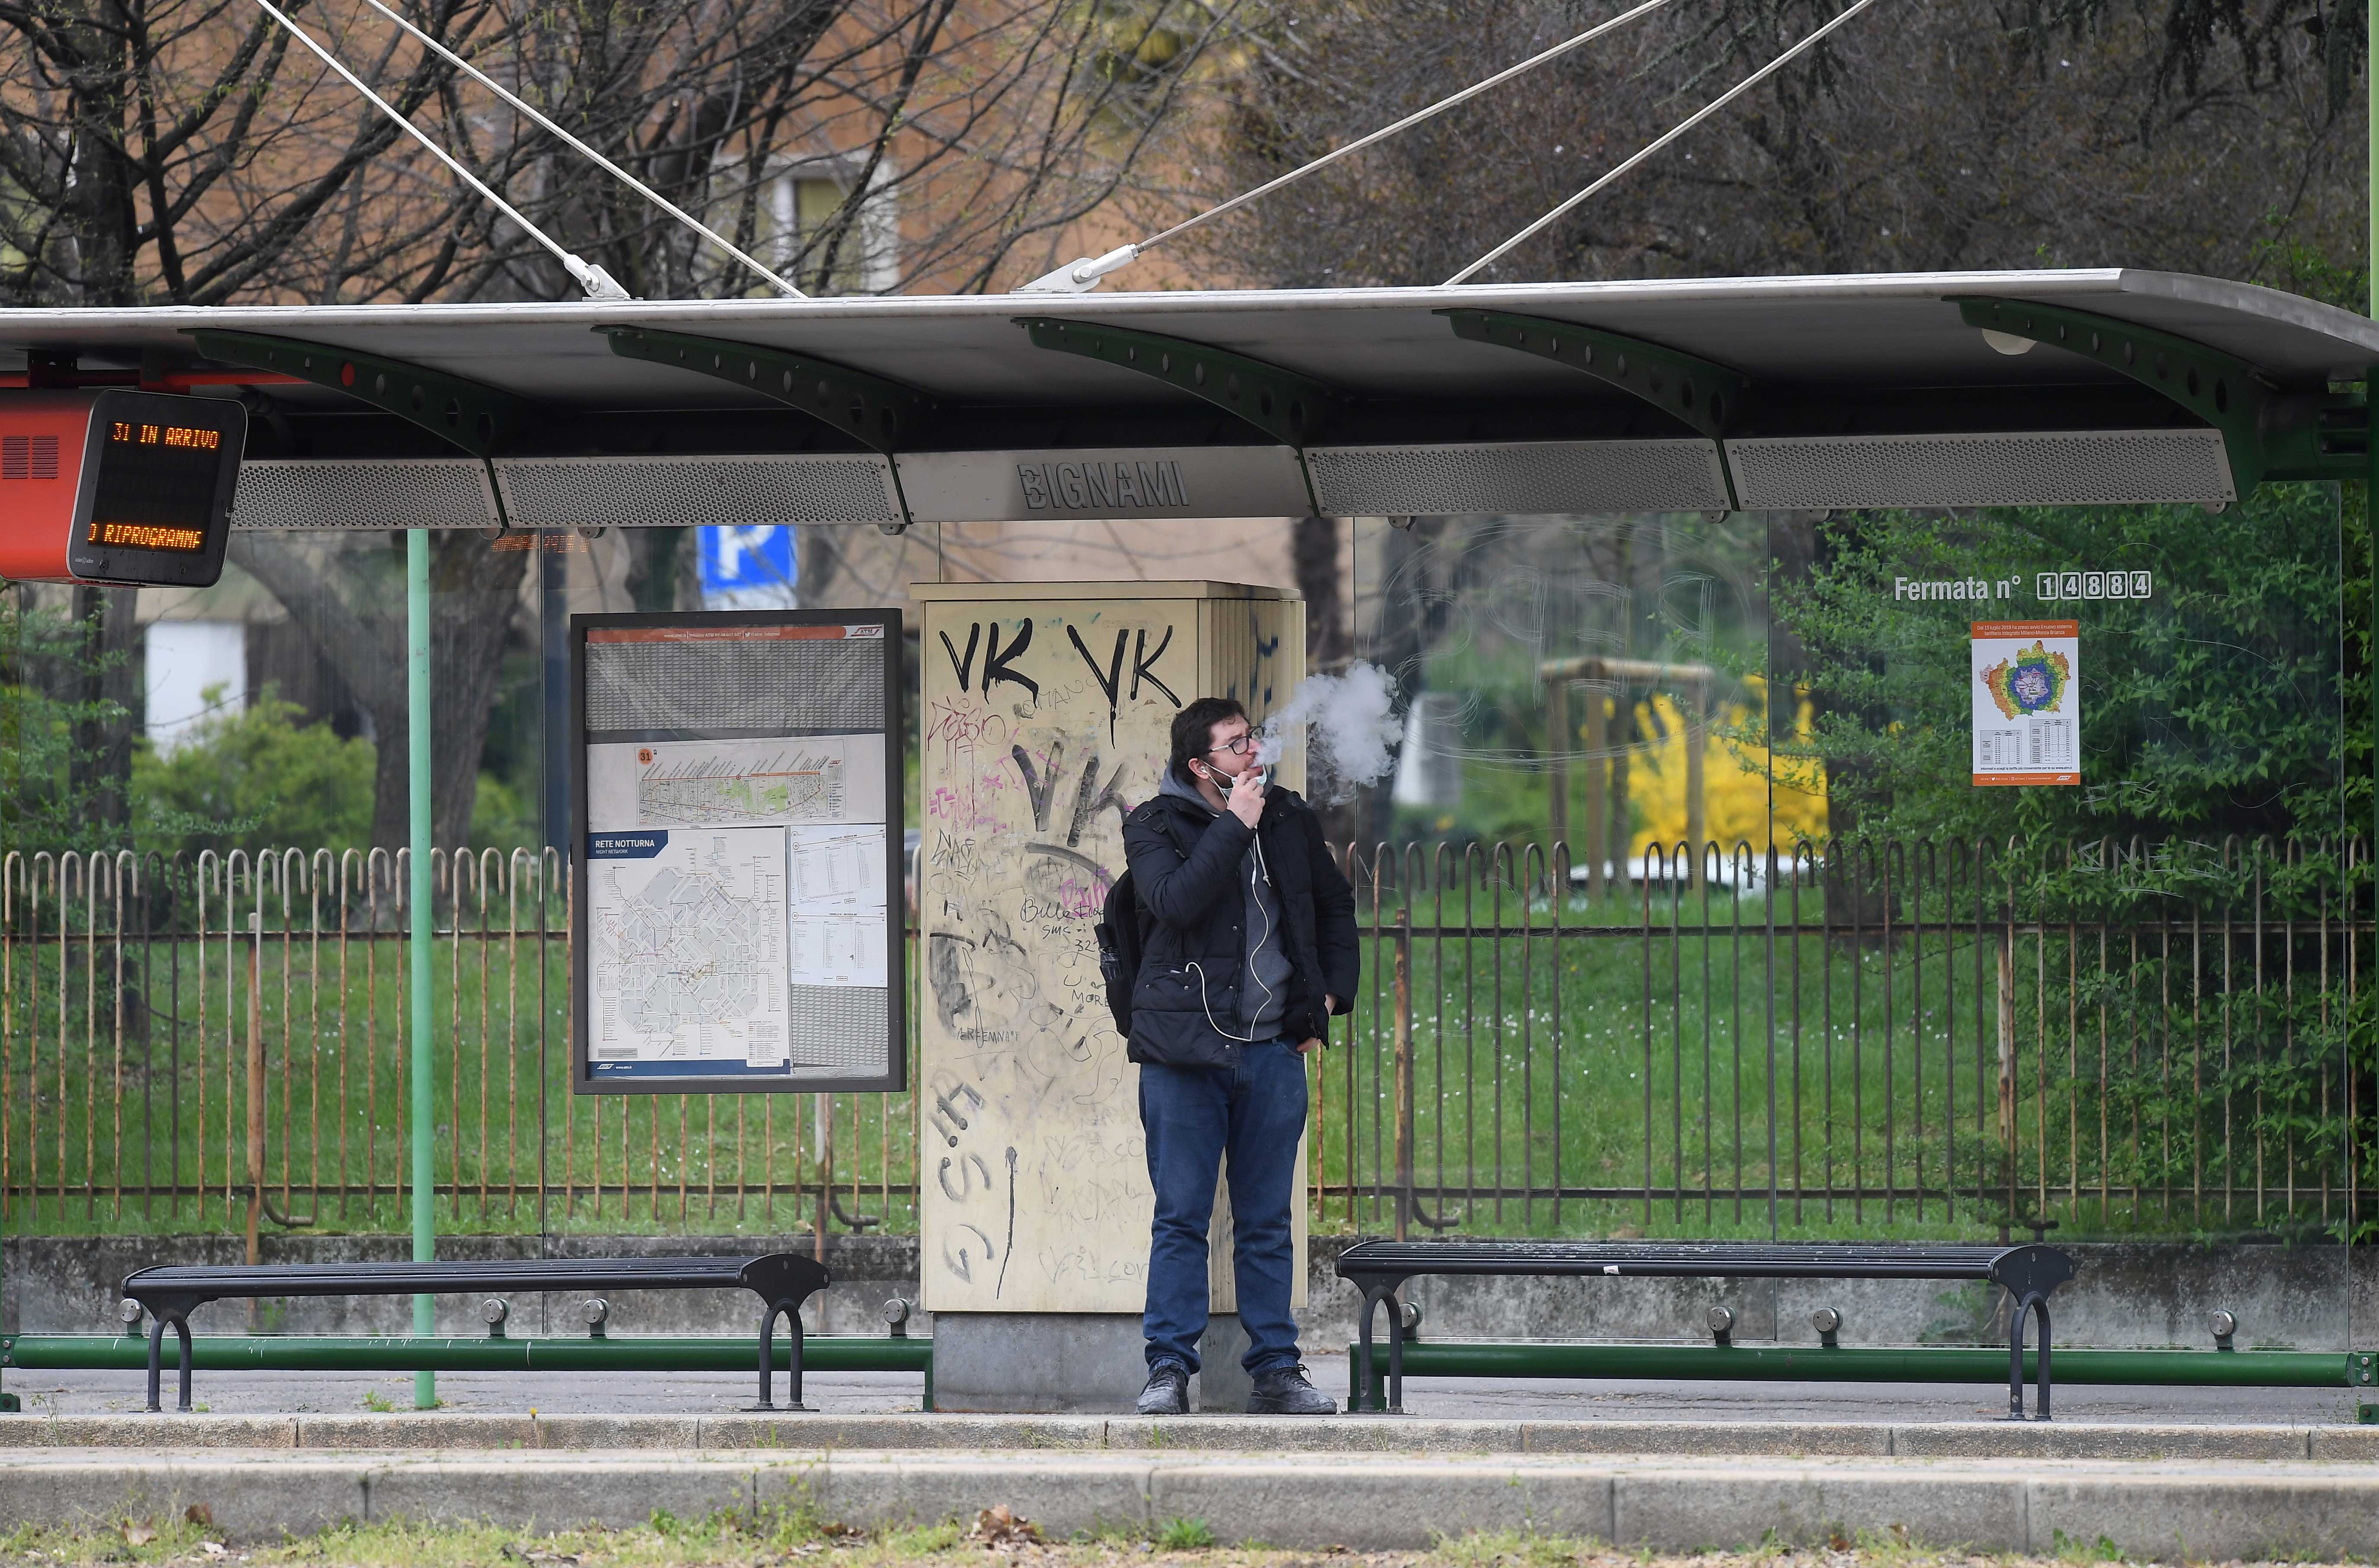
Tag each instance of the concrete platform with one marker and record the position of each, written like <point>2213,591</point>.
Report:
<point>420,1432</point>
<point>1393,1497</point>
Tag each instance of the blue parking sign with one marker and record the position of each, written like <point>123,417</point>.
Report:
<point>751,568</point>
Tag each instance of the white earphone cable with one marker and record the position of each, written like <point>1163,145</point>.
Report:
<point>1270,995</point>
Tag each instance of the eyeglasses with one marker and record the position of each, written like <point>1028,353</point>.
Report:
<point>1237,745</point>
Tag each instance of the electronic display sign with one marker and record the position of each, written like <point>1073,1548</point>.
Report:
<point>118,486</point>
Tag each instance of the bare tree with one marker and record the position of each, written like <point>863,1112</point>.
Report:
<point>186,150</point>
<point>178,150</point>
<point>1313,549</point>
<point>339,590</point>
<point>2212,136</point>
<point>2217,136</point>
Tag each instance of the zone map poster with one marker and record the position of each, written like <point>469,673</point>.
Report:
<point>2027,696</point>
<point>740,903</point>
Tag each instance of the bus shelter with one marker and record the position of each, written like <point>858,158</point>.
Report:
<point>1706,394</point>
<point>1720,396</point>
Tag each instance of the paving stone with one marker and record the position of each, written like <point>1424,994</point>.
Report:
<point>239,1501</point>
<point>1061,1493</point>
<point>2208,1516</point>
<point>1814,1505</point>
<point>417,1430</point>
<point>2060,1439</point>
<point>822,1431</point>
<point>606,1433</point>
<point>2343,1443</point>
<point>613,1494</point>
<point>2207,1508</point>
<point>1785,1438</point>
<point>1374,1504</point>
<point>1256,1434</point>
<point>150,1431</point>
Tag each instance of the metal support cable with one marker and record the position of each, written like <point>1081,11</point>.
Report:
<point>1704,113</point>
<point>1439,108</point>
<point>598,284</point>
<point>1078,276</point>
<point>657,198</point>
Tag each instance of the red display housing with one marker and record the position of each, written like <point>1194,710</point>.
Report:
<point>118,486</point>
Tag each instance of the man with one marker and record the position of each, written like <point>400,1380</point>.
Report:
<point>1248,949</point>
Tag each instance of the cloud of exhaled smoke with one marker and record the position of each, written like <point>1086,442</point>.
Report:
<point>1350,728</point>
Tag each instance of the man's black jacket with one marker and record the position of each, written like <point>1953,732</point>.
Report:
<point>1185,874</point>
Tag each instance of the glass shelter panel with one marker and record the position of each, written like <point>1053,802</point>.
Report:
<point>1566,888</point>
<point>1683,910</point>
<point>1722,890</point>
<point>2136,984</point>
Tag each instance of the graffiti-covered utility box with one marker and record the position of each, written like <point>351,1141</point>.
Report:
<point>1046,716</point>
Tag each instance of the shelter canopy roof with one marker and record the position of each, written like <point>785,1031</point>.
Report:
<point>1708,393</point>
<point>1855,334</point>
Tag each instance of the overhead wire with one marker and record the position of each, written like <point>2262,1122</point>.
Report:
<point>1384,132</point>
<point>1704,113</point>
<point>768,273</point>
<point>1085,274</point>
<point>598,284</point>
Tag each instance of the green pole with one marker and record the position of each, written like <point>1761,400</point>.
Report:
<point>416,713</point>
<point>694,1353</point>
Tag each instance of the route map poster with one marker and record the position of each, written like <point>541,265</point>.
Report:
<point>733,783</point>
<point>738,919</point>
<point>2027,696</point>
<point>688,949</point>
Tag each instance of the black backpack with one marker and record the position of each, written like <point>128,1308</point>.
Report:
<point>1120,946</point>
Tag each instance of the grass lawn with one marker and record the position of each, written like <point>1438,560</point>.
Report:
<point>1552,1080</point>
<point>1637,1050</point>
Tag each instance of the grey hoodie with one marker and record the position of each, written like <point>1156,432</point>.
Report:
<point>1265,996</point>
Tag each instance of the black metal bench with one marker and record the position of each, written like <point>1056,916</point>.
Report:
<point>781,1280</point>
<point>1380,1268</point>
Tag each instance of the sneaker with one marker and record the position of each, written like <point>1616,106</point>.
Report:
<point>1167,1393</point>
<point>1287,1392</point>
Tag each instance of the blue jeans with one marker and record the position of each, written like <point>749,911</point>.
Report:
<point>1255,1112</point>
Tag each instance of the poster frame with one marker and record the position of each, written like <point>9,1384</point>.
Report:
<point>2064,630</point>
<point>894,1080</point>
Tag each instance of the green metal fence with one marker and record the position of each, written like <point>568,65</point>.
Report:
<point>1853,1040</point>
